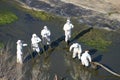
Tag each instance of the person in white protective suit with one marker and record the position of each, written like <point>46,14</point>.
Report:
<point>77,50</point>
<point>20,51</point>
<point>45,33</point>
<point>86,58</point>
<point>67,28</point>
<point>34,43</point>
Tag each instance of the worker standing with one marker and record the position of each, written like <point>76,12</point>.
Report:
<point>45,33</point>
<point>34,43</point>
<point>20,51</point>
<point>68,26</point>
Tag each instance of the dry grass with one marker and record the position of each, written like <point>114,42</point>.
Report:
<point>7,65</point>
<point>10,70</point>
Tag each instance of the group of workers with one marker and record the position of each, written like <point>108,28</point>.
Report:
<point>45,33</point>
<point>77,52</point>
<point>35,40</point>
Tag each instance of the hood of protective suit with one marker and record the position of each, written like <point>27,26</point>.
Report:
<point>34,35</point>
<point>19,41</point>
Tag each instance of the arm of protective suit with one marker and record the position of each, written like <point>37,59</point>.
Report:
<point>38,40</point>
<point>89,57</point>
<point>80,47</point>
<point>24,45</point>
<point>49,33</point>
<point>72,26</point>
<point>64,27</point>
<point>42,33</point>
<point>71,47</point>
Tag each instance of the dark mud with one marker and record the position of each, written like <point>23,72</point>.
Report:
<point>57,60</point>
<point>85,16</point>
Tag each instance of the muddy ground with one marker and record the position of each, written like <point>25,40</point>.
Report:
<point>57,61</point>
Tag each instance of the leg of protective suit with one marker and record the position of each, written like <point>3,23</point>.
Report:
<point>74,52</point>
<point>19,58</point>
<point>74,55</point>
<point>48,40</point>
<point>44,41</point>
<point>34,49</point>
<point>69,36</point>
<point>37,49</point>
<point>82,62</point>
<point>66,38</point>
<point>86,63</point>
<point>79,54</point>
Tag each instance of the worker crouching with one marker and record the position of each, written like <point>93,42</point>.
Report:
<point>86,58</point>
<point>77,50</point>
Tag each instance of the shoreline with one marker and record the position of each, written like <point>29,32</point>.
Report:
<point>88,17</point>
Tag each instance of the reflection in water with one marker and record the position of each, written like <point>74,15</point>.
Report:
<point>35,71</point>
<point>38,67</point>
<point>40,70</point>
<point>76,70</point>
<point>85,74</point>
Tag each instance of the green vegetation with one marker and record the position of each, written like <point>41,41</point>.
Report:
<point>36,13</point>
<point>96,38</point>
<point>7,17</point>
<point>41,15</point>
<point>1,45</point>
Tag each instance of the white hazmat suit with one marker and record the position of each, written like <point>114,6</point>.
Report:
<point>67,28</point>
<point>77,50</point>
<point>85,58</point>
<point>34,43</point>
<point>20,51</point>
<point>45,33</point>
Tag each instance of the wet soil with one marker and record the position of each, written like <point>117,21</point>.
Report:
<point>56,60</point>
<point>86,16</point>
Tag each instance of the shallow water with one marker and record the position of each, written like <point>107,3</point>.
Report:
<point>57,60</point>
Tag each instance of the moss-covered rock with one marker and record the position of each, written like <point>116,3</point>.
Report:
<point>7,17</point>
